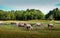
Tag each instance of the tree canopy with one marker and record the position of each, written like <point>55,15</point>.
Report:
<point>28,14</point>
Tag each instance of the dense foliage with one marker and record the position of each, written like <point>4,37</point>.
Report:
<point>28,14</point>
<point>53,14</point>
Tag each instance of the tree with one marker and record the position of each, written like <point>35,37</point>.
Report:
<point>9,15</point>
<point>51,17</point>
<point>55,12</point>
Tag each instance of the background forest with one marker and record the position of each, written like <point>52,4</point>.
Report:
<point>29,14</point>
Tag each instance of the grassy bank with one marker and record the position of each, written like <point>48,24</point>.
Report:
<point>18,33</point>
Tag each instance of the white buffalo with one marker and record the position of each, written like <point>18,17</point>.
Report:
<point>27,26</point>
<point>20,24</point>
<point>38,24</point>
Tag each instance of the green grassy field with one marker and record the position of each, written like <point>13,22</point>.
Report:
<point>10,31</point>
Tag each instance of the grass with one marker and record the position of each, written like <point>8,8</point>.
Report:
<point>10,31</point>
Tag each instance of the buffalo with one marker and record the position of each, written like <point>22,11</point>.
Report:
<point>50,26</point>
<point>27,26</point>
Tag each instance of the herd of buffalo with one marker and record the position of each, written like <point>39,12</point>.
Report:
<point>29,26</point>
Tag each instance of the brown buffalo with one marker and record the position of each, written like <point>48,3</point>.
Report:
<point>50,26</point>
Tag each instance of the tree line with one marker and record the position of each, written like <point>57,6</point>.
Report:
<point>29,14</point>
